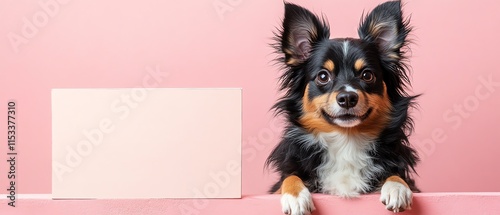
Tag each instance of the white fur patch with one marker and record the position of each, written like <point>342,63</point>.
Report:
<point>396,196</point>
<point>347,166</point>
<point>349,88</point>
<point>300,205</point>
<point>345,47</point>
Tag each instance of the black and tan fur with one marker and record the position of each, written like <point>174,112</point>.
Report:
<point>346,109</point>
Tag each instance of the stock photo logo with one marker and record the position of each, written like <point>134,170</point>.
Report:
<point>121,107</point>
<point>250,148</point>
<point>32,25</point>
<point>457,114</point>
<point>222,7</point>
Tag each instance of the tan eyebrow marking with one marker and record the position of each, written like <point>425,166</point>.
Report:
<point>329,65</point>
<point>359,64</point>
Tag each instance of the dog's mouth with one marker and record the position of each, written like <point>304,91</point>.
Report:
<point>348,119</point>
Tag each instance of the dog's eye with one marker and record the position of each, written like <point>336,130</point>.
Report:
<point>368,76</point>
<point>323,77</point>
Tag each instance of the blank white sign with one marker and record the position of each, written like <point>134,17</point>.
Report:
<point>146,143</point>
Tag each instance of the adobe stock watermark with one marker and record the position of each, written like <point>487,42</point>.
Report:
<point>93,137</point>
<point>221,179</point>
<point>456,115</point>
<point>32,25</point>
<point>222,7</point>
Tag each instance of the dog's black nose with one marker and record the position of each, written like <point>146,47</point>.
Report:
<point>347,99</point>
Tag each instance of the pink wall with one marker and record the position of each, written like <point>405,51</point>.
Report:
<point>87,44</point>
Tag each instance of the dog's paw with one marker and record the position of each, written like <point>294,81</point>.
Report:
<point>396,196</point>
<point>297,205</point>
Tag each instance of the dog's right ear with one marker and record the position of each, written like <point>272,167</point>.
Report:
<point>301,30</point>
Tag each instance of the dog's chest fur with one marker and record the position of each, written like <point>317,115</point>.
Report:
<point>347,167</point>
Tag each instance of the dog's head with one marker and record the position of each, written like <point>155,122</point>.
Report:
<point>342,84</point>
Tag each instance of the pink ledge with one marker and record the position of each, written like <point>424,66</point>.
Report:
<point>424,203</point>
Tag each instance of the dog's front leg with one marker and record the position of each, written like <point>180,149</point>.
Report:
<point>396,195</point>
<point>295,197</point>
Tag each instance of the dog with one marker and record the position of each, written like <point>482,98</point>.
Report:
<point>347,107</point>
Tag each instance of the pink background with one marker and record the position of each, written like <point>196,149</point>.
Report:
<point>105,44</point>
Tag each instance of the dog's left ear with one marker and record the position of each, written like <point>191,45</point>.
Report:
<point>385,27</point>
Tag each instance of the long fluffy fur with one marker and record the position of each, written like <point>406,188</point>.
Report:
<point>301,153</point>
